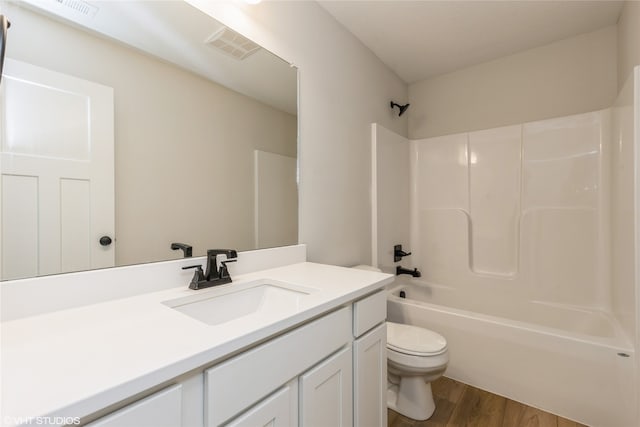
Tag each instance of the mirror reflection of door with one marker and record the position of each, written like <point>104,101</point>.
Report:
<point>276,199</point>
<point>57,164</point>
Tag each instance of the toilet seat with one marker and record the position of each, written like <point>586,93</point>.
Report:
<point>414,341</point>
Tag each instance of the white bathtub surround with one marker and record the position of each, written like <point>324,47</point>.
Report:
<point>523,210</point>
<point>76,361</point>
<point>525,239</point>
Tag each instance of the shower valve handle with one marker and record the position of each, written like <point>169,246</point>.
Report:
<point>398,253</point>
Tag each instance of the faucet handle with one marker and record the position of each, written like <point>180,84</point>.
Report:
<point>224,272</point>
<point>398,253</point>
<point>198,276</point>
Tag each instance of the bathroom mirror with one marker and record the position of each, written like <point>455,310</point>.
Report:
<point>128,126</point>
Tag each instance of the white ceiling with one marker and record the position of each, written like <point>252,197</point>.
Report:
<point>420,39</point>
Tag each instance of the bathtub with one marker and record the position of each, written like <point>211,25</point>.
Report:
<point>572,362</point>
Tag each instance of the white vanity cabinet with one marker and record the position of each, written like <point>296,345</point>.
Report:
<point>297,344</point>
<point>331,371</point>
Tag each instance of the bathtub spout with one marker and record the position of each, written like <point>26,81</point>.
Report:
<point>414,272</point>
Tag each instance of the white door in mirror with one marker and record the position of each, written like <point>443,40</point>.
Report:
<point>276,199</point>
<point>57,172</point>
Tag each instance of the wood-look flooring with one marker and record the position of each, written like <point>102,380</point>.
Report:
<point>459,405</point>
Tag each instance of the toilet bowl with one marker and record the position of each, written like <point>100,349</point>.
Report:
<point>415,357</point>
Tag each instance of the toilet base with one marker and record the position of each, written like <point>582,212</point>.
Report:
<point>412,398</point>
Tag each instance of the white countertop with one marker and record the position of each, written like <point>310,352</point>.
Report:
<point>74,362</point>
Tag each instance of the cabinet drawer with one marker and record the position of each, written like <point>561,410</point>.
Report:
<point>162,409</point>
<point>369,312</point>
<point>238,383</point>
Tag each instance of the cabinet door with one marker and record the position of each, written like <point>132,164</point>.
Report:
<point>278,410</point>
<point>370,378</point>
<point>162,409</point>
<point>326,397</point>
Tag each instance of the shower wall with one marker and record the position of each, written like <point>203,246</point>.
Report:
<point>521,210</point>
<point>390,196</point>
<point>623,207</point>
<point>535,216</point>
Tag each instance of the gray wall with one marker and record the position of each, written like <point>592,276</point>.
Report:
<point>344,87</point>
<point>571,76</point>
<point>628,41</point>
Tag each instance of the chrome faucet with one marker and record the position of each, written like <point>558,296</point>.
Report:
<point>214,275</point>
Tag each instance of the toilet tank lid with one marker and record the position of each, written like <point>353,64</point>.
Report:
<point>414,340</point>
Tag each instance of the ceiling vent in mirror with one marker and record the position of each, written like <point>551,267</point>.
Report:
<point>231,43</point>
<point>77,11</point>
<point>79,7</point>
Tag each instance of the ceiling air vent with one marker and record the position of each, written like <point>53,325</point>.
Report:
<point>232,43</point>
<point>79,7</point>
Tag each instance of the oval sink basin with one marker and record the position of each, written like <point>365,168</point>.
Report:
<point>257,298</point>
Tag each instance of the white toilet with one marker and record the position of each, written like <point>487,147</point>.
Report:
<point>415,357</point>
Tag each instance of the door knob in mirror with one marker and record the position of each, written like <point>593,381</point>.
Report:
<point>105,240</point>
